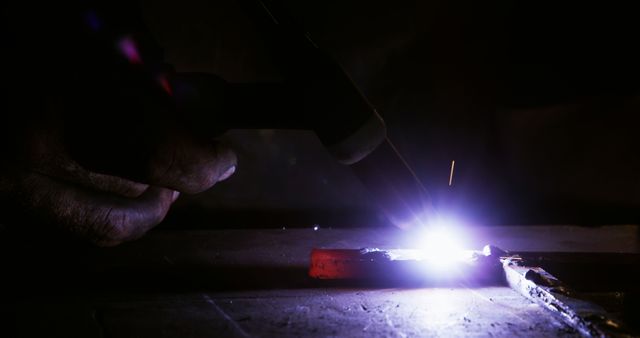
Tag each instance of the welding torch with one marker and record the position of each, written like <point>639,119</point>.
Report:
<point>317,95</point>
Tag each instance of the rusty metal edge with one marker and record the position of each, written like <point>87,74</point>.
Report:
<point>588,318</point>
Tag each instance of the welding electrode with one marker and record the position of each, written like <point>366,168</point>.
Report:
<point>317,95</point>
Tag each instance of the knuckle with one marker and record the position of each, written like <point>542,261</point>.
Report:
<point>109,227</point>
<point>192,172</point>
<point>157,218</point>
<point>201,177</point>
<point>159,211</point>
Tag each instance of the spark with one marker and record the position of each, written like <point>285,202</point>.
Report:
<point>453,165</point>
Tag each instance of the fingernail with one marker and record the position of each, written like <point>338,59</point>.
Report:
<point>175,196</point>
<point>227,173</point>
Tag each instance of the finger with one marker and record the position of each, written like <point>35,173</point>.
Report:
<point>191,167</point>
<point>178,161</point>
<point>152,141</point>
<point>73,173</point>
<point>48,156</point>
<point>105,219</point>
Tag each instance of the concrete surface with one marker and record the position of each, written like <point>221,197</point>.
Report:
<point>245,283</point>
<point>422,312</point>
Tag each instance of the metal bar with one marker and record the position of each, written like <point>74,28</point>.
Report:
<point>544,289</point>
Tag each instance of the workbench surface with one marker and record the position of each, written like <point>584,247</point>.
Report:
<point>230,283</point>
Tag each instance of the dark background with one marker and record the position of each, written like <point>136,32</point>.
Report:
<point>536,102</point>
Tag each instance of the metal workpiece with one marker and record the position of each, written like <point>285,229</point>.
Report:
<point>398,267</point>
<point>491,266</point>
<point>544,289</point>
